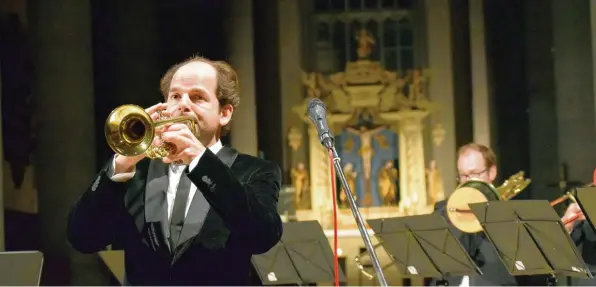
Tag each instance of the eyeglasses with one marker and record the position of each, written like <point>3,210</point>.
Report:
<point>470,175</point>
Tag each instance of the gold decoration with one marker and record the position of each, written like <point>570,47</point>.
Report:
<point>436,191</point>
<point>387,188</point>
<point>294,138</point>
<point>438,134</point>
<point>351,175</point>
<point>366,43</point>
<point>300,182</point>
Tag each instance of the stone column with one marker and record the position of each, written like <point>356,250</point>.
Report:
<point>241,57</point>
<point>441,90</point>
<point>481,98</point>
<point>573,64</point>
<point>290,59</point>
<point>65,156</point>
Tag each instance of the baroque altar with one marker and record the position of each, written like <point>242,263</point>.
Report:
<point>377,117</point>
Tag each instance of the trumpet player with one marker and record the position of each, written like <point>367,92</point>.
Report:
<point>198,215</point>
<point>478,162</point>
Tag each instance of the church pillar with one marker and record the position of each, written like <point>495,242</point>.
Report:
<point>64,158</point>
<point>441,89</point>
<point>573,65</point>
<point>481,98</point>
<point>241,57</point>
<point>290,60</point>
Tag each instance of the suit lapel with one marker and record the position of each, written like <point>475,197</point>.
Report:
<point>156,215</point>
<point>201,220</point>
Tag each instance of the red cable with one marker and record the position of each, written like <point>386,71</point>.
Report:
<point>334,193</point>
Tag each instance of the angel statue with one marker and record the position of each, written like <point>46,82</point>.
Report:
<point>351,175</point>
<point>365,44</point>
<point>434,180</point>
<point>310,81</point>
<point>387,188</point>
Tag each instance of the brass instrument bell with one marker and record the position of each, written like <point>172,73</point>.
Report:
<point>476,191</point>
<point>130,131</point>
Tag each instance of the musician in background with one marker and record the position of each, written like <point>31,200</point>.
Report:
<point>478,162</point>
<point>585,238</point>
<point>198,216</point>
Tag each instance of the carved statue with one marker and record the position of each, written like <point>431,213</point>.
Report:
<point>351,175</point>
<point>366,150</point>
<point>294,138</point>
<point>300,182</point>
<point>435,188</point>
<point>387,188</point>
<point>310,81</point>
<point>365,44</point>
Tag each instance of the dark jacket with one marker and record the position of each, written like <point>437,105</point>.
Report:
<point>242,221</point>
<point>585,238</point>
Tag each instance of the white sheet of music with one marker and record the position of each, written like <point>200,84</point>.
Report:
<point>465,282</point>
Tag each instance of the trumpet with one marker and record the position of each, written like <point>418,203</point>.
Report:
<point>476,191</point>
<point>130,131</point>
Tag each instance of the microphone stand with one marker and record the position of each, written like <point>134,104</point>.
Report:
<point>359,221</point>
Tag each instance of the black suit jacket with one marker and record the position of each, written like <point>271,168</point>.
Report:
<point>494,273</point>
<point>214,249</point>
<point>585,238</point>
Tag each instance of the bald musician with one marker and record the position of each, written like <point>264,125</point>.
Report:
<point>476,161</point>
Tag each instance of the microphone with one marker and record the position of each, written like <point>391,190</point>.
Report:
<point>317,113</point>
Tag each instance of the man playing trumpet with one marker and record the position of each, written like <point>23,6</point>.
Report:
<point>197,216</point>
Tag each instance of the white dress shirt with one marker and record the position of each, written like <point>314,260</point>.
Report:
<point>174,173</point>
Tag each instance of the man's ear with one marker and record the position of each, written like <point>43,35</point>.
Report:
<point>226,115</point>
<point>492,173</point>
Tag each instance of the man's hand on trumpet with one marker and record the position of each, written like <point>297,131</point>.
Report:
<point>572,211</point>
<point>125,163</point>
<point>188,147</point>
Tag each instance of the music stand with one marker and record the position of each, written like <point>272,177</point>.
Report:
<point>423,246</point>
<point>302,256</point>
<point>530,239</point>
<point>20,268</point>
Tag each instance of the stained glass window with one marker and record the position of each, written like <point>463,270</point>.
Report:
<point>337,25</point>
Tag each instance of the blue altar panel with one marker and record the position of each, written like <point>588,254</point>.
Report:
<point>384,143</point>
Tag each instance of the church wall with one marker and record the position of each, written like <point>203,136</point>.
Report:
<point>505,49</point>
<point>543,117</point>
<point>573,63</point>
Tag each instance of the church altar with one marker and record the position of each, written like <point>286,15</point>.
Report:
<point>378,119</point>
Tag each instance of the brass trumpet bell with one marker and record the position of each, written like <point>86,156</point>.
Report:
<point>130,131</point>
<point>476,191</point>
